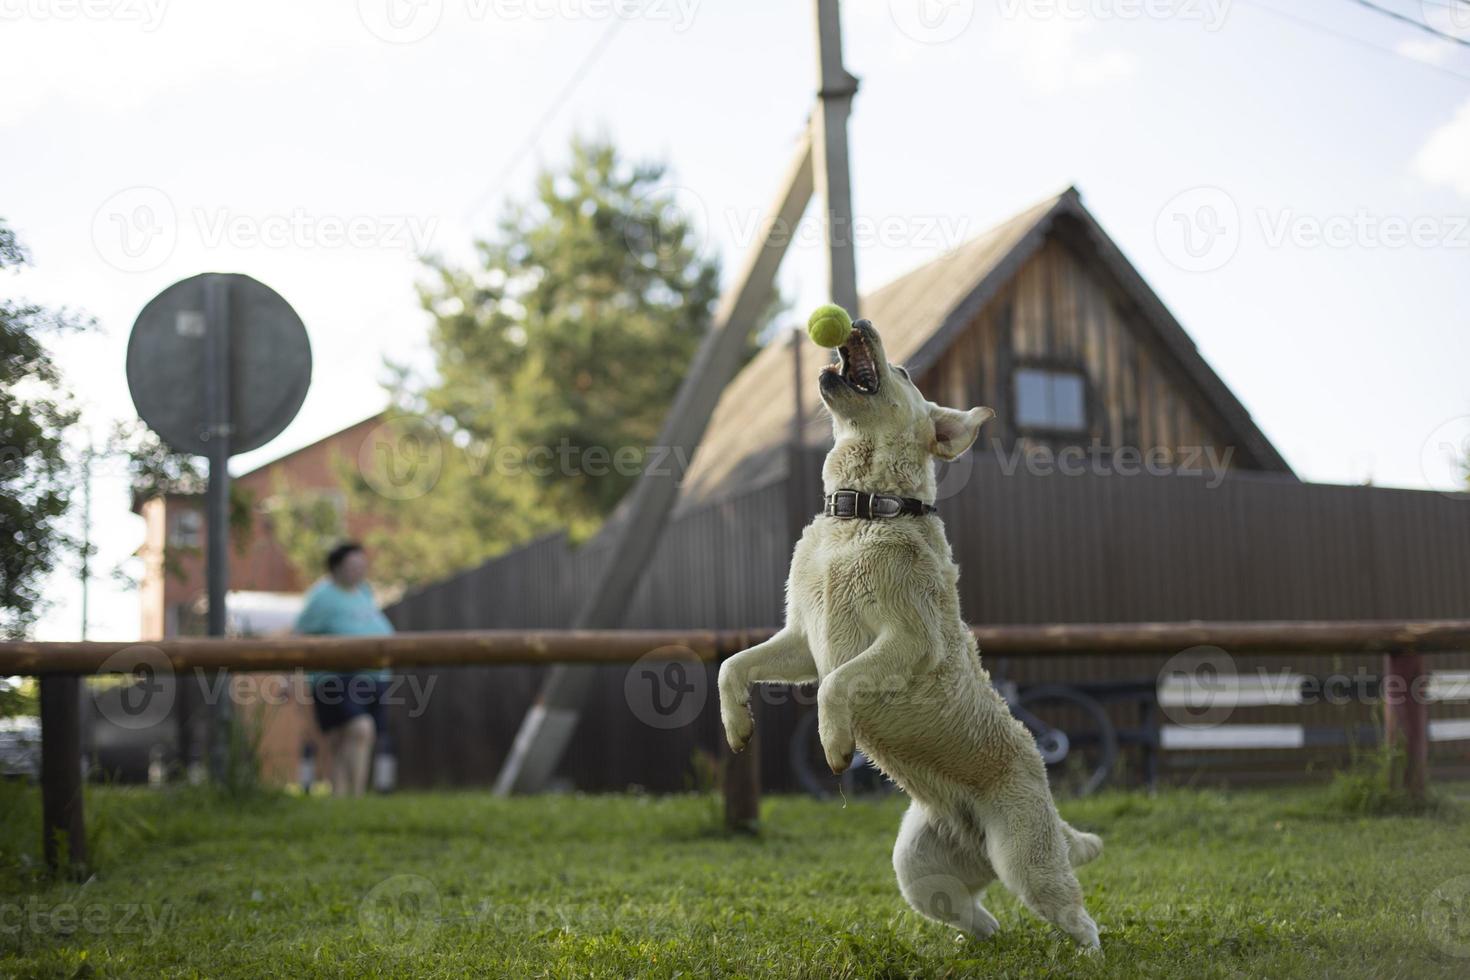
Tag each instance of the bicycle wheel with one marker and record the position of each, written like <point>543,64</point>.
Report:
<point>1077,741</point>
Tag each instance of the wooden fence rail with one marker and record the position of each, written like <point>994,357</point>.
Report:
<point>454,648</point>
<point>60,665</point>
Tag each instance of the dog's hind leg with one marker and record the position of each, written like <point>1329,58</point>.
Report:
<point>939,879</point>
<point>1029,851</point>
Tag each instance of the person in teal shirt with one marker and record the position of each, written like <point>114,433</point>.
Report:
<point>348,706</point>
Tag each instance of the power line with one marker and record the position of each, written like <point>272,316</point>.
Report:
<point>573,82</point>
<point>1312,25</point>
<point>1406,19</point>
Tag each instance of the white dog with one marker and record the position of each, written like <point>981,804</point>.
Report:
<point>872,613</point>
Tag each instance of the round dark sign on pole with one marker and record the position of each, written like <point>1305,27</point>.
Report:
<point>268,358</point>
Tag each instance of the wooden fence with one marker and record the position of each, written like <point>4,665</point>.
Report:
<point>60,665</point>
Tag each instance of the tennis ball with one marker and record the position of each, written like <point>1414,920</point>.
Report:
<point>829,325</point>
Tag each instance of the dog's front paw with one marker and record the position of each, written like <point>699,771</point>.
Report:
<point>735,713</point>
<point>739,725</point>
<point>834,727</point>
<point>838,746</point>
<point>839,763</point>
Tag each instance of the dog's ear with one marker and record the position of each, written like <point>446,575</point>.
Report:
<point>955,431</point>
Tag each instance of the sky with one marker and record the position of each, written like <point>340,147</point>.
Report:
<point>1291,176</point>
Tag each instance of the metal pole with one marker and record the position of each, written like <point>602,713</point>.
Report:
<point>217,498</point>
<point>86,530</point>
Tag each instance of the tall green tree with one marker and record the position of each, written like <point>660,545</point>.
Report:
<point>557,354</point>
<point>36,478</point>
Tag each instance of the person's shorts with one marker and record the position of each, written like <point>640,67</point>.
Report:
<point>339,698</point>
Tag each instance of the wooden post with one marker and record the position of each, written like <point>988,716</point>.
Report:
<point>64,841</point>
<point>1406,719</point>
<point>743,786</point>
<point>741,776</point>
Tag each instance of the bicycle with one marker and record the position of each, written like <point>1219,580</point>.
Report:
<point>1077,741</point>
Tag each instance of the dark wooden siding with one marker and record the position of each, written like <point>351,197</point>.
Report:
<point>1060,310</point>
<point>1096,547</point>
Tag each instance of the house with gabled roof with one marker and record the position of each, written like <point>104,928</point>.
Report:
<point>1043,319</point>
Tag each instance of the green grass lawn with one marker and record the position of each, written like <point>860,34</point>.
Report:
<point>1192,884</point>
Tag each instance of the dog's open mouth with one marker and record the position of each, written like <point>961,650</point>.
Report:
<point>855,364</point>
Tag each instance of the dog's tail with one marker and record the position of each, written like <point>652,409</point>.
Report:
<point>1082,847</point>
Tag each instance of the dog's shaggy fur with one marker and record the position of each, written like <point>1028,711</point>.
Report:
<point>872,613</point>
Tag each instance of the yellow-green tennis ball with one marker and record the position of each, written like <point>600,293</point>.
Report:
<point>829,325</point>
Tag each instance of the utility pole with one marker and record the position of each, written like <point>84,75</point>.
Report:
<point>820,163</point>
<point>835,89</point>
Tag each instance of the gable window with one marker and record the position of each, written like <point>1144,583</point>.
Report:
<point>1051,399</point>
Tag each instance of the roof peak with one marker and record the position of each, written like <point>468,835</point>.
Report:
<point>1069,198</point>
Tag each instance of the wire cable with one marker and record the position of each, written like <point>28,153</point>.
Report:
<point>573,82</point>
<point>1312,25</point>
<point>1406,19</point>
